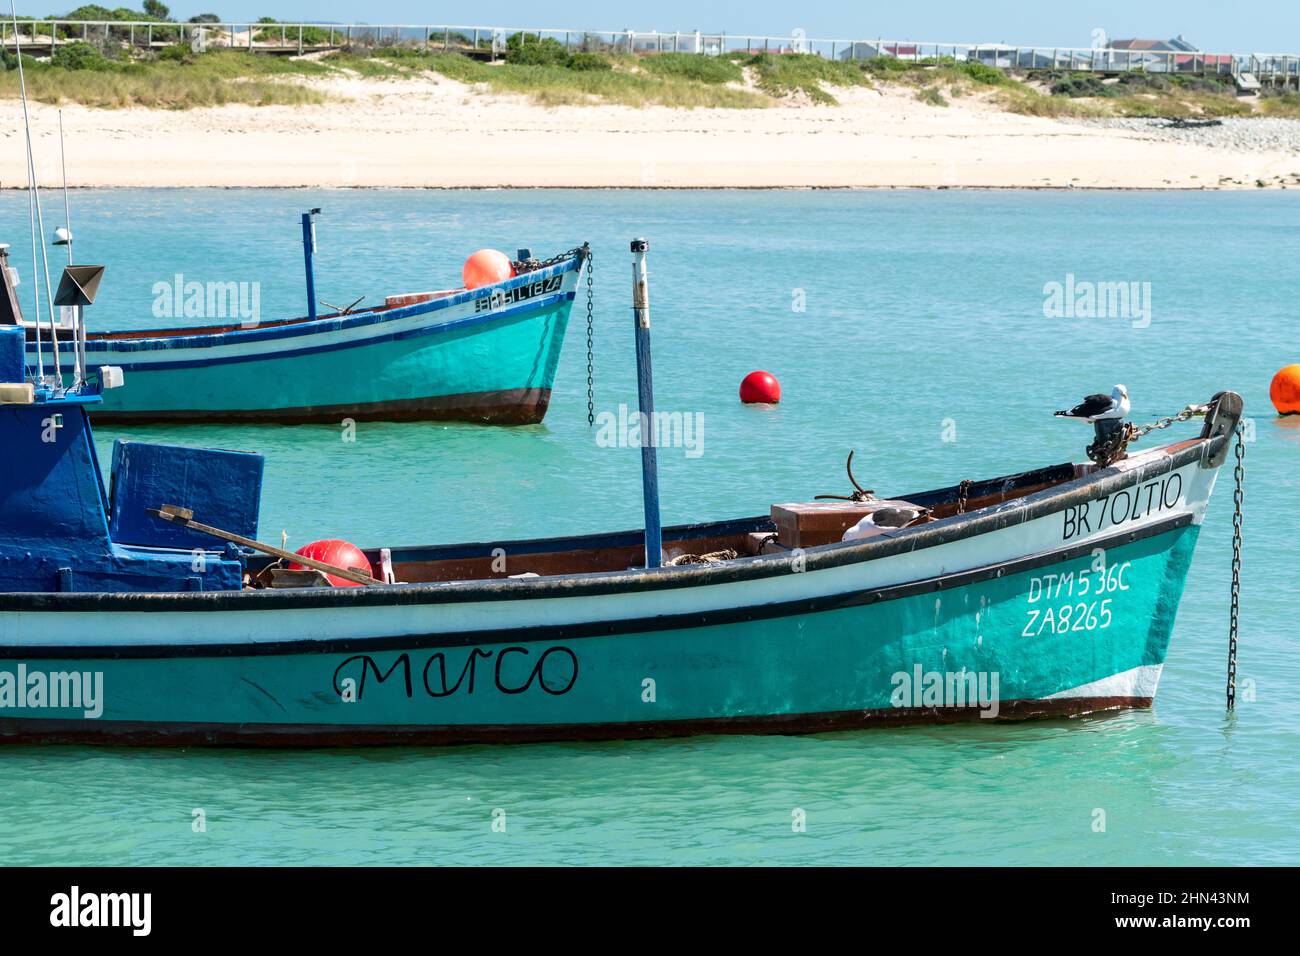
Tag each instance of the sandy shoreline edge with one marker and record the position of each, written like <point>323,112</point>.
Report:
<point>440,134</point>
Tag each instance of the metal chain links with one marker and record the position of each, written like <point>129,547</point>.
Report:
<point>1106,451</point>
<point>1191,411</point>
<point>1238,496</point>
<point>963,492</point>
<point>591,400</point>
<point>532,265</point>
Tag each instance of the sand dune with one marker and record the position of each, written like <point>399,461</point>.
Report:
<point>434,132</point>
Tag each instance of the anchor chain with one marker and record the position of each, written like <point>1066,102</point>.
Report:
<point>1107,450</point>
<point>1238,496</point>
<point>963,492</point>
<point>1191,411</point>
<point>532,265</point>
<point>591,400</point>
<point>1133,433</point>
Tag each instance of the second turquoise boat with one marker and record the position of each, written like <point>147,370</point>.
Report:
<point>485,355</point>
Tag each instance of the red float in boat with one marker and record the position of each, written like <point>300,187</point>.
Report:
<point>341,554</point>
<point>486,267</point>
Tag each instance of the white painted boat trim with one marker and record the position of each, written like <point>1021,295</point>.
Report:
<point>1138,681</point>
<point>1042,535</point>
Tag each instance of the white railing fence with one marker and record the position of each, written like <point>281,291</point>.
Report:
<point>43,35</point>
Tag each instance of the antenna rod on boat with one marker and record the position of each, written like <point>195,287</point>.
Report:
<point>646,401</point>
<point>63,163</point>
<point>34,198</point>
<point>36,291</point>
<point>308,254</point>
<point>31,204</point>
<point>79,327</point>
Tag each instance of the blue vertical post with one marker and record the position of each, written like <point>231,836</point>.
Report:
<point>646,401</point>
<point>308,254</point>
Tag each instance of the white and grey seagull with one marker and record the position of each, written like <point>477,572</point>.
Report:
<point>885,519</point>
<point>1099,407</point>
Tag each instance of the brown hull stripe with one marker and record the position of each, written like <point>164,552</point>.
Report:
<point>140,733</point>
<point>513,406</point>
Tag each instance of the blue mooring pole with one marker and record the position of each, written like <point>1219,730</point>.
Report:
<point>646,400</point>
<point>308,254</point>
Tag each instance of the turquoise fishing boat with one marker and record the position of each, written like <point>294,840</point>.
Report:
<point>485,355</point>
<point>146,612</point>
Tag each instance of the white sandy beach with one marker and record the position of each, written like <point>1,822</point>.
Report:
<point>434,132</point>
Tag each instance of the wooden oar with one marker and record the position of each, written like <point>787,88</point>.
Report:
<point>184,516</point>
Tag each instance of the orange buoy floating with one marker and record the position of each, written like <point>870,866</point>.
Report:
<point>486,267</point>
<point>1285,390</point>
<point>341,554</point>
<point>760,388</point>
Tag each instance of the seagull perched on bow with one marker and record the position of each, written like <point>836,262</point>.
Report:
<point>885,519</point>
<point>1099,407</point>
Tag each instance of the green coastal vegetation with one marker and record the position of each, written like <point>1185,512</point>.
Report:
<point>119,68</point>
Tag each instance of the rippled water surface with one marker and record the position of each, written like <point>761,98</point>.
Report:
<point>923,312</point>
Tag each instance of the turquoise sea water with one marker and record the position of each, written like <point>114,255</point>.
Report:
<point>893,319</point>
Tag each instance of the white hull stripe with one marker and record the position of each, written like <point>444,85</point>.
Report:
<point>440,314</point>
<point>324,342</point>
<point>1136,682</point>
<point>1037,536</point>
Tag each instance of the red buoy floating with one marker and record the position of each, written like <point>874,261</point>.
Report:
<point>760,388</point>
<point>486,267</point>
<point>341,554</point>
<point>1285,390</point>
